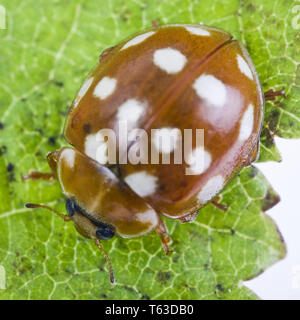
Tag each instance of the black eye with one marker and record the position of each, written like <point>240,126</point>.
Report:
<point>105,232</point>
<point>70,207</point>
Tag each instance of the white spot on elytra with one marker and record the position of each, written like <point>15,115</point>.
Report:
<point>96,147</point>
<point>211,89</point>
<point>247,122</point>
<point>69,156</point>
<point>199,161</point>
<point>150,220</point>
<point>83,90</point>
<point>142,183</point>
<point>105,87</point>
<point>211,188</point>
<point>165,139</point>
<point>149,216</point>
<point>244,67</point>
<point>131,111</point>
<point>169,60</point>
<point>138,39</point>
<point>198,31</point>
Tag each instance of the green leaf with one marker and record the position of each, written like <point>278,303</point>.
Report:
<point>46,51</point>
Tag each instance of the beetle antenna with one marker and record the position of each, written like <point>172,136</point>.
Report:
<point>111,272</point>
<point>34,206</point>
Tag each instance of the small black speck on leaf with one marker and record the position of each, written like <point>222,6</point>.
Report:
<point>52,141</point>
<point>145,297</point>
<point>129,289</point>
<point>10,174</point>
<point>175,259</point>
<point>163,276</point>
<point>125,15</point>
<point>273,120</point>
<point>3,150</point>
<point>267,138</point>
<point>251,8</point>
<point>40,131</point>
<point>59,83</point>
<point>10,167</point>
<point>220,287</point>
<point>69,271</point>
<point>1,126</point>
<point>206,266</point>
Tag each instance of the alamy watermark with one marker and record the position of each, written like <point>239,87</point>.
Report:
<point>2,278</point>
<point>166,145</point>
<point>2,17</point>
<point>296,18</point>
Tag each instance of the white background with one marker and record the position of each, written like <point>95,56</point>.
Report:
<point>282,280</point>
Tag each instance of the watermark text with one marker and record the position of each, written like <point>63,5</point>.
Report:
<point>159,146</point>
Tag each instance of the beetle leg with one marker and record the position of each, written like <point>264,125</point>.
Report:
<point>34,206</point>
<point>216,202</point>
<point>189,217</point>
<point>165,239</point>
<point>35,175</point>
<point>272,94</point>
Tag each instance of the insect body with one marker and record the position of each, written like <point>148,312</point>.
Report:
<point>171,78</point>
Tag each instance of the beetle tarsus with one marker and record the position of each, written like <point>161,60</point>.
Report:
<point>271,94</point>
<point>111,272</point>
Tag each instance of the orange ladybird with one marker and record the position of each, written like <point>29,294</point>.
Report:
<point>167,80</point>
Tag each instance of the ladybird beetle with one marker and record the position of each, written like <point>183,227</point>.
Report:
<point>169,78</point>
